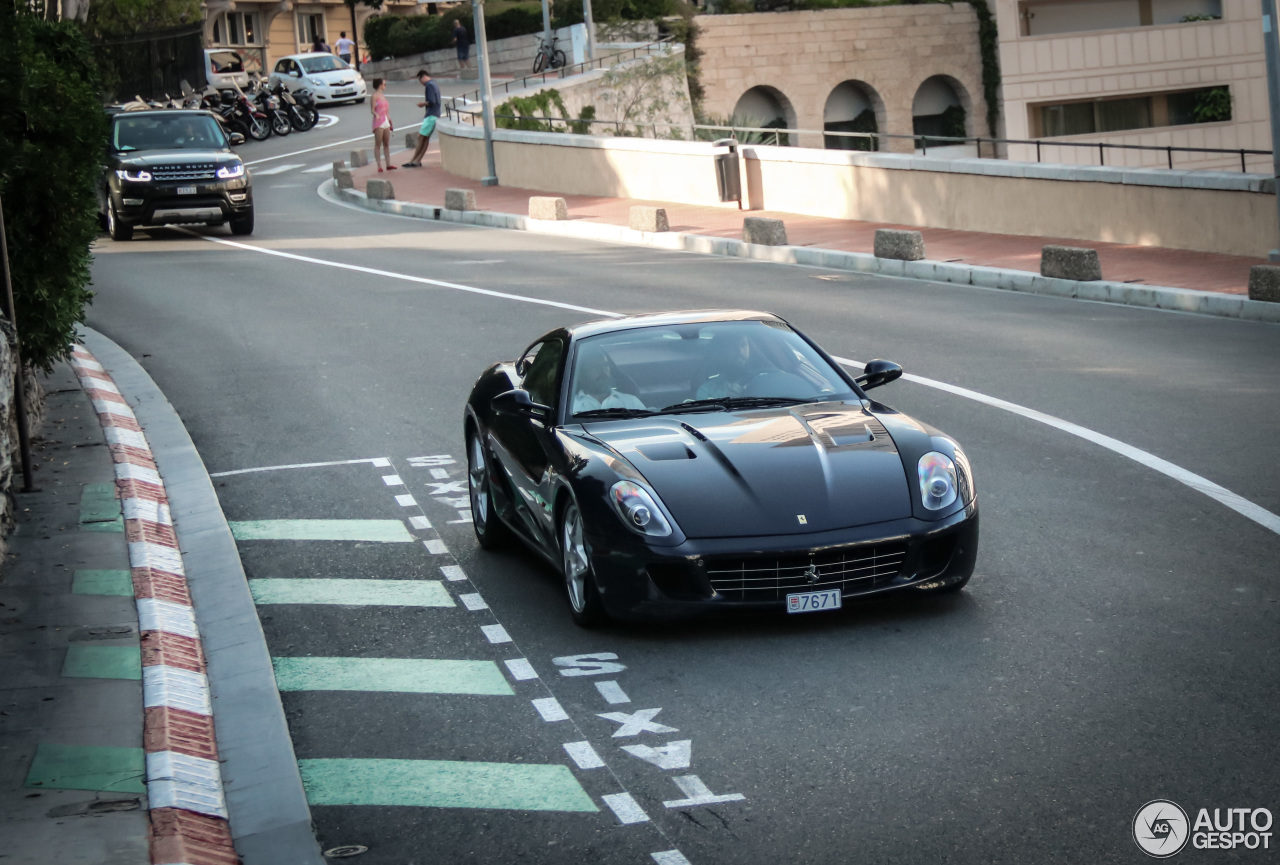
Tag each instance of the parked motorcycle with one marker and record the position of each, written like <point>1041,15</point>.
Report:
<point>304,114</point>
<point>243,110</point>
<point>270,106</point>
<point>223,112</point>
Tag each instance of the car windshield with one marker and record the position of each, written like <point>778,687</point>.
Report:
<point>166,132</point>
<point>698,367</point>
<point>323,64</point>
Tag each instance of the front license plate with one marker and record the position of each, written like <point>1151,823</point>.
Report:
<point>811,602</point>
<point>186,190</point>
<point>344,93</point>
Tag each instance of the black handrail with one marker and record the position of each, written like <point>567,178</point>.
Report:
<point>923,140</point>
<point>562,72</point>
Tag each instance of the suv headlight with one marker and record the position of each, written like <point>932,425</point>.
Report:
<point>227,172</point>
<point>637,509</point>
<point>138,176</point>
<point>937,480</point>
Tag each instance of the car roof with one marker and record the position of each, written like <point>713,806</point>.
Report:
<point>309,54</point>
<point>658,319</point>
<point>166,112</point>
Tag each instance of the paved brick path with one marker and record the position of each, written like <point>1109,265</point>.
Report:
<point>1123,263</point>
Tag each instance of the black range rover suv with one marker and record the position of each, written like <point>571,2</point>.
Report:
<point>172,166</point>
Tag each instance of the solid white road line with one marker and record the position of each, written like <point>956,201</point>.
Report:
<point>1237,503</point>
<point>276,169</point>
<point>1222,495</point>
<point>375,461</point>
<point>309,150</point>
<point>408,278</point>
<point>319,169</point>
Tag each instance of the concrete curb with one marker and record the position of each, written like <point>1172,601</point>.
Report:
<point>1123,293</point>
<point>209,642</point>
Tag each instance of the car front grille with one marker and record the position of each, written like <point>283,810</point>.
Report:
<point>771,578</point>
<point>186,171</point>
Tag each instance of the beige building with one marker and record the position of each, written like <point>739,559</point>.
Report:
<point>908,67</point>
<point>1181,73</point>
<point>262,33</point>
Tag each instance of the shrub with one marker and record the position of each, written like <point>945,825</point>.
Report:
<point>53,134</point>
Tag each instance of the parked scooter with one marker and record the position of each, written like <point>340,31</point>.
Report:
<point>307,115</point>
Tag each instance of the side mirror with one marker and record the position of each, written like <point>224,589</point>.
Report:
<point>518,402</point>
<point>237,138</point>
<point>878,372</point>
<point>295,73</point>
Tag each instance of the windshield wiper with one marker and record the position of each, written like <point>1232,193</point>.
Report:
<point>616,411</point>
<point>727,403</point>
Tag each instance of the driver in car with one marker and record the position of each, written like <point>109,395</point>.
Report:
<point>736,365</point>
<point>596,386</point>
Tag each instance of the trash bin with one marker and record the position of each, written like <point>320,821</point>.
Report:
<point>728,180</point>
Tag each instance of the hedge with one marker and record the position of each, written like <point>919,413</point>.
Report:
<point>53,135</point>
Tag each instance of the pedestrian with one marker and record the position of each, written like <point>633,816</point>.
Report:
<point>431,102</point>
<point>319,46</point>
<point>346,48</point>
<point>382,127</point>
<point>462,39</point>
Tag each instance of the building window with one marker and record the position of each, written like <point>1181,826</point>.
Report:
<point>310,27</point>
<point>1206,105</point>
<point>236,28</point>
<point>1076,16</point>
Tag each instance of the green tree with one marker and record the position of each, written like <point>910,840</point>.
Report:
<point>109,19</point>
<point>52,138</point>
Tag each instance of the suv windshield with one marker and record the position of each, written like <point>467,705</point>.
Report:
<point>699,367</point>
<point>322,64</point>
<point>166,132</point>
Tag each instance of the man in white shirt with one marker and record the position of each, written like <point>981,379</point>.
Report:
<point>594,386</point>
<point>345,47</point>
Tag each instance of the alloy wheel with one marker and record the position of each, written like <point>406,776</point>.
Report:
<point>576,564</point>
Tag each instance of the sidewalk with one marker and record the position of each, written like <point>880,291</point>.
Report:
<point>1140,265</point>
<point>72,766</point>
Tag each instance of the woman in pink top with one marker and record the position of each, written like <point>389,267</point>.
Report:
<point>382,127</point>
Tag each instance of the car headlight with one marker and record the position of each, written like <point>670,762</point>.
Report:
<point>138,176</point>
<point>318,82</point>
<point>937,480</point>
<point>227,172</point>
<point>637,509</point>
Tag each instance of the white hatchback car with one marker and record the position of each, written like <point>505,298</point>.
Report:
<point>327,76</point>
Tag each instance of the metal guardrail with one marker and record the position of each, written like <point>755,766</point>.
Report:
<point>622,127</point>
<point>562,72</point>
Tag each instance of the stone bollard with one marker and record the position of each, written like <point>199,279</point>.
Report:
<point>359,158</point>
<point>764,231</point>
<point>649,218</point>
<point>1070,262</point>
<point>338,165</point>
<point>378,189</point>
<point>411,139</point>
<point>546,207</point>
<point>1264,283</point>
<point>902,245</point>
<point>459,199</point>
<point>342,178</point>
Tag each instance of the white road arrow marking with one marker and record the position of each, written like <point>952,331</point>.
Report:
<point>698,793</point>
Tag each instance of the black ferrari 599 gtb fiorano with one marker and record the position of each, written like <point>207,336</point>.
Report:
<point>679,463</point>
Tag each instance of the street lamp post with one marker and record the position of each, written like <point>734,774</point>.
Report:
<point>486,91</point>
<point>1271,36</point>
<point>546,25</point>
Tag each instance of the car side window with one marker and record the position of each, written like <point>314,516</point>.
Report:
<point>282,66</point>
<point>542,371</point>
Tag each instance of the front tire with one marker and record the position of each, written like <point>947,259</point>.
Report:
<point>117,229</point>
<point>579,577</point>
<point>491,532</point>
<point>242,225</point>
<point>259,129</point>
<point>280,124</point>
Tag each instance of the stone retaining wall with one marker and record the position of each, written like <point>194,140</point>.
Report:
<point>10,458</point>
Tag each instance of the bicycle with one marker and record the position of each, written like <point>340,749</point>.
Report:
<point>548,53</point>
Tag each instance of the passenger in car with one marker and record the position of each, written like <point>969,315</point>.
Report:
<point>735,365</point>
<point>596,384</point>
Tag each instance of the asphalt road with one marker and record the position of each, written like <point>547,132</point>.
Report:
<point>1118,643</point>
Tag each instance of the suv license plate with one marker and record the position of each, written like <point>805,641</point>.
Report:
<point>811,602</point>
<point>186,190</point>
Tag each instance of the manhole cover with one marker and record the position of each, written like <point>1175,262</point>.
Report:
<point>346,851</point>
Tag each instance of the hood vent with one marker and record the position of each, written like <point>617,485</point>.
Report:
<point>660,451</point>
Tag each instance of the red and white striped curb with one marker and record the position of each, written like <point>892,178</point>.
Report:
<point>184,785</point>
